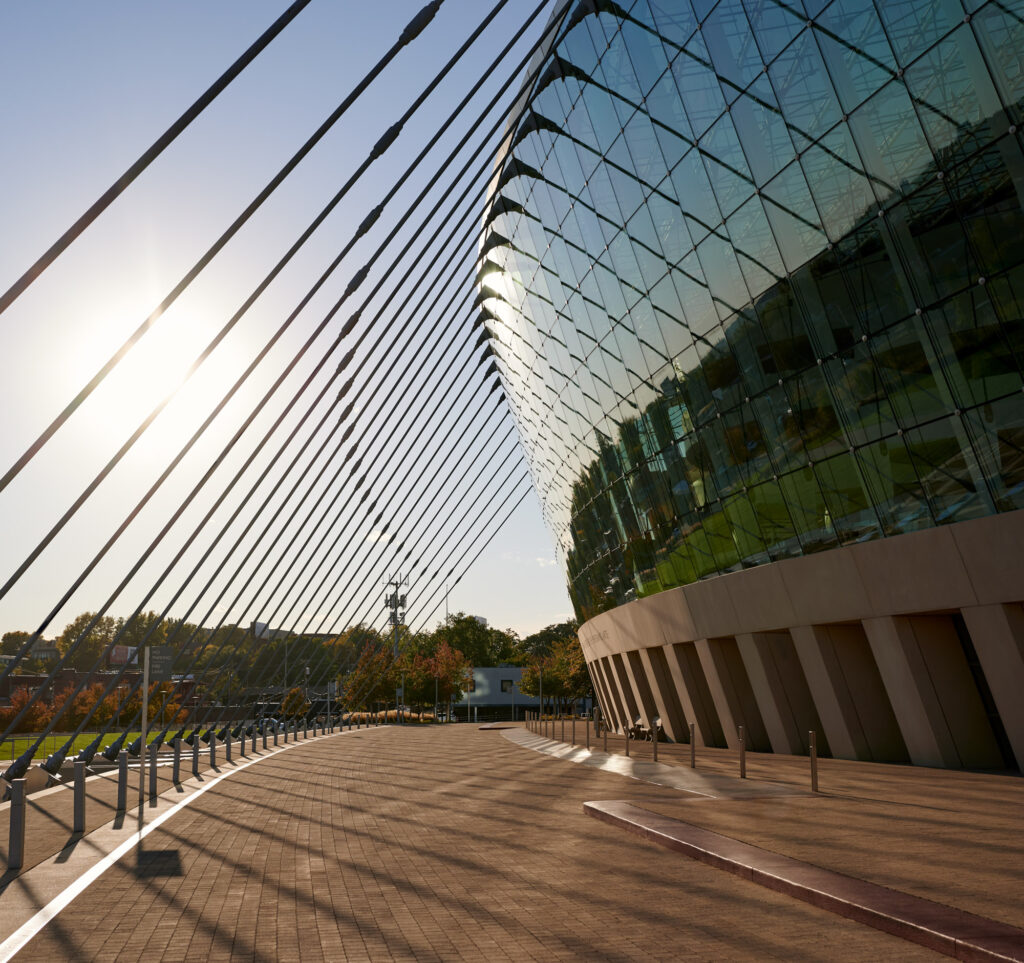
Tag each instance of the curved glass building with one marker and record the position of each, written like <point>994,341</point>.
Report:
<point>753,272</point>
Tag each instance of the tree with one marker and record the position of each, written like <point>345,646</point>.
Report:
<point>136,629</point>
<point>371,679</point>
<point>479,643</point>
<point>539,644</point>
<point>452,670</point>
<point>36,719</point>
<point>11,642</point>
<point>295,704</point>
<point>87,652</point>
<point>562,673</point>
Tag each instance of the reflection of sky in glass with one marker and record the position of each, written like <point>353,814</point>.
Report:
<point>759,361</point>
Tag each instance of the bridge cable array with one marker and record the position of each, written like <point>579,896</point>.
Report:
<point>303,518</point>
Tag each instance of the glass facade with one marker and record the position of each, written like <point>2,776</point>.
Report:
<point>754,276</point>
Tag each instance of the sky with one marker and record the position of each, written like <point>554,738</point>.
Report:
<point>89,87</point>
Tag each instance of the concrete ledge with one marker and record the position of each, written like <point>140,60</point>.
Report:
<point>944,929</point>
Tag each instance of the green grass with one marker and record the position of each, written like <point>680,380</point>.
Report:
<point>14,746</point>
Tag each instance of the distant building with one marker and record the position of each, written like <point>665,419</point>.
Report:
<point>494,696</point>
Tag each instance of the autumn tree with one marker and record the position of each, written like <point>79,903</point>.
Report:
<point>295,704</point>
<point>36,719</point>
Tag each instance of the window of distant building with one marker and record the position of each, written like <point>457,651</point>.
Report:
<point>506,685</point>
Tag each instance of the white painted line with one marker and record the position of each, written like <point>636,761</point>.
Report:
<point>21,936</point>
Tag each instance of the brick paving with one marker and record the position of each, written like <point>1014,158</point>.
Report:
<point>950,836</point>
<point>420,844</point>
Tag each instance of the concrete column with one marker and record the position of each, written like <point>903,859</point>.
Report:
<point>672,716</point>
<point>694,694</point>
<point>621,680</point>
<point>997,633</point>
<point>639,682</point>
<point>604,694</point>
<point>780,690</point>
<point>932,693</point>
<point>848,693</point>
<point>731,692</point>
<point>616,710</point>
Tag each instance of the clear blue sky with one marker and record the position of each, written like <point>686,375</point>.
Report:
<point>87,88</point>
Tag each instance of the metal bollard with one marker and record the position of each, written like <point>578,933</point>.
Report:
<point>195,753</point>
<point>626,734</point>
<point>122,781</point>
<point>264,737</point>
<point>176,770</point>
<point>814,760</point>
<point>563,729</point>
<point>305,729</point>
<point>587,727</point>
<point>654,741</point>
<point>574,728</point>
<point>213,751</point>
<point>78,826</point>
<point>275,735</point>
<point>693,745</point>
<point>743,753</point>
<point>604,729</point>
<point>241,744</point>
<point>16,846</point>
<point>152,770</point>
<point>227,747</point>
<point>254,737</point>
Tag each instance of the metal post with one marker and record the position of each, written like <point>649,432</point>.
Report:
<point>654,740</point>
<point>195,752</point>
<point>604,729</point>
<point>227,747</point>
<point>142,739</point>
<point>562,719</point>
<point>743,753</point>
<point>814,760</point>
<point>16,846</point>
<point>627,743</point>
<point>213,750</point>
<point>276,727</point>
<point>241,743</point>
<point>574,727</point>
<point>79,821</point>
<point>693,746</point>
<point>122,781</point>
<point>176,771</point>
<point>587,727</point>
<point>152,770</point>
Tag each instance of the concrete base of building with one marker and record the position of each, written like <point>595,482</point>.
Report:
<point>908,649</point>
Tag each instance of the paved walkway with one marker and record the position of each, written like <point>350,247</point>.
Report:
<point>445,843</point>
<point>948,836</point>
